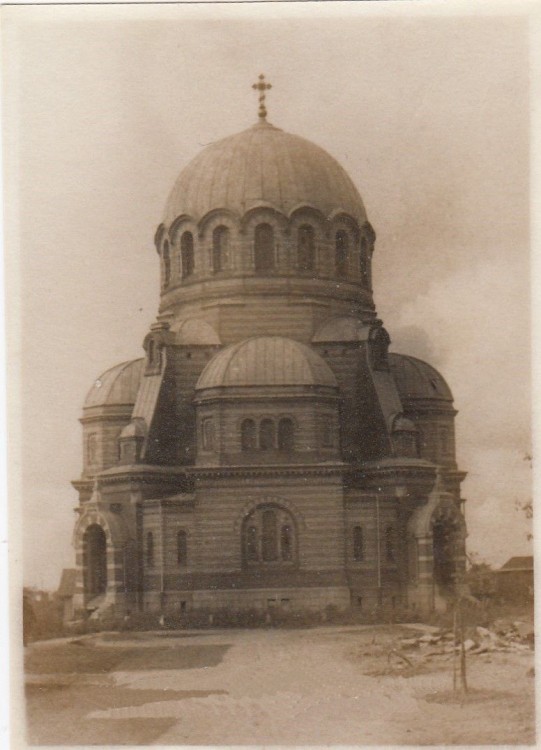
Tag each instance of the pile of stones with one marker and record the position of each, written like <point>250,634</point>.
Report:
<point>504,636</point>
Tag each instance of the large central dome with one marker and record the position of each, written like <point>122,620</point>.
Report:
<point>263,166</point>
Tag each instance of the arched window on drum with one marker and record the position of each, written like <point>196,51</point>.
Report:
<point>187,260</point>
<point>166,257</point>
<point>264,248</point>
<point>341,252</point>
<point>220,246</point>
<point>248,437</point>
<point>306,248</point>
<point>365,263</point>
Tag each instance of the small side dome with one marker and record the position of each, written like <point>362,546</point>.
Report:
<point>117,386</point>
<point>135,429</point>
<point>416,379</point>
<point>341,329</point>
<point>195,332</point>
<point>266,361</point>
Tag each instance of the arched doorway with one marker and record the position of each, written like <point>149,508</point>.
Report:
<point>95,561</point>
<point>445,538</point>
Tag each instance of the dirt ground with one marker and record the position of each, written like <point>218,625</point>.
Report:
<point>327,685</point>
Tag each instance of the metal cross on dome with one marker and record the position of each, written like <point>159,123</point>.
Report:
<point>262,86</point>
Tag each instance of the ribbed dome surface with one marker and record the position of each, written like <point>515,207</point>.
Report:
<point>116,386</point>
<point>266,360</point>
<point>263,165</point>
<point>416,379</point>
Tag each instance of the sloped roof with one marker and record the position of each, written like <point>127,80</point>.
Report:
<point>119,385</point>
<point>518,563</point>
<point>266,361</point>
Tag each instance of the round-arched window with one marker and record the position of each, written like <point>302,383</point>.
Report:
<point>341,250</point>
<point>166,257</point>
<point>306,248</point>
<point>248,435</point>
<point>187,255</point>
<point>220,244</point>
<point>263,248</point>
<point>364,263</point>
<point>269,537</point>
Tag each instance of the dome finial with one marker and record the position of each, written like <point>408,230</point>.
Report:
<point>262,86</point>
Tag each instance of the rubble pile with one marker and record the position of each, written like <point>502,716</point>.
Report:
<point>504,636</point>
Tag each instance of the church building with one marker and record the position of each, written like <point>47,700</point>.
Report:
<point>267,450</point>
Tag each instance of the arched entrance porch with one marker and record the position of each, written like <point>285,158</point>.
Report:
<point>94,561</point>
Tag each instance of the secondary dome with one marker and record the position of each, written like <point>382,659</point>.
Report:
<point>263,166</point>
<point>416,379</point>
<point>266,361</point>
<point>116,386</point>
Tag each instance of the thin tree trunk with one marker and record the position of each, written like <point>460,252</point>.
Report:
<point>455,653</point>
<point>463,681</point>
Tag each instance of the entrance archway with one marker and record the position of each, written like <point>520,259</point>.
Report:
<point>95,561</point>
<point>445,537</point>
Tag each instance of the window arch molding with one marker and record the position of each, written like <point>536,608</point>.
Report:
<point>282,502</point>
<point>215,218</point>
<point>265,214</point>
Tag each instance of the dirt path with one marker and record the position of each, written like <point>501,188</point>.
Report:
<point>319,686</point>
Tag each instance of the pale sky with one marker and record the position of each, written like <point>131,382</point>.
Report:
<point>429,116</point>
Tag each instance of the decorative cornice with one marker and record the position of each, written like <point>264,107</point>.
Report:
<point>171,503</point>
<point>272,470</point>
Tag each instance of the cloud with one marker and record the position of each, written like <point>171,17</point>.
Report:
<point>414,340</point>
<point>475,327</point>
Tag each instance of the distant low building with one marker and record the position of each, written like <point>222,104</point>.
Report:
<point>515,579</point>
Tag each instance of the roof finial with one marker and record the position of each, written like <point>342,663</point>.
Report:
<point>262,86</point>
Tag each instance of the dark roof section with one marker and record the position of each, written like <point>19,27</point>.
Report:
<point>518,563</point>
<point>67,583</point>
<point>416,379</point>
